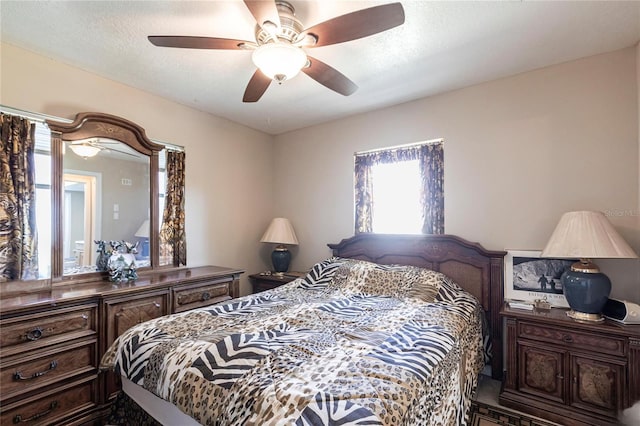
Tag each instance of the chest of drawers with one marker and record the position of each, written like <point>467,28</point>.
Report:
<point>570,372</point>
<point>52,340</point>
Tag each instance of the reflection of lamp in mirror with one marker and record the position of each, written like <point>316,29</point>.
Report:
<point>586,235</point>
<point>280,232</point>
<point>143,232</point>
<point>84,150</point>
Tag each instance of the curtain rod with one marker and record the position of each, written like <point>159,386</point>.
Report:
<point>392,148</point>
<point>33,116</point>
<point>42,118</point>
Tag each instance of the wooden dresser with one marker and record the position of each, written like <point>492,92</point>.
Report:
<point>51,340</point>
<point>570,372</point>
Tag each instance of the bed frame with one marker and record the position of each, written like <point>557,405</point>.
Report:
<point>478,271</point>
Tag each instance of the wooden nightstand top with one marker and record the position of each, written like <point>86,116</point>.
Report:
<point>283,279</point>
<point>558,316</point>
<point>264,281</point>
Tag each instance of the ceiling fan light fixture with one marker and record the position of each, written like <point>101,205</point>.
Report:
<point>84,150</point>
<point>279,61</point>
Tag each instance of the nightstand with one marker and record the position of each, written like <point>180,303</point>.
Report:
<point>261,282</point>
<point>570,372</point>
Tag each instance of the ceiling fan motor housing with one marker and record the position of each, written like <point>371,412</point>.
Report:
<point>290,26</point>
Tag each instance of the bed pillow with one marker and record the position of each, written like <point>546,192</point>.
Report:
<point>362,277</point>
<point>322,273</point>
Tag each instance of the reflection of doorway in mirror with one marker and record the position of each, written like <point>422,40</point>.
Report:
<point>80,227</point>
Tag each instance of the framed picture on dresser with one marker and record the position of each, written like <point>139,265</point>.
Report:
<point>529,277</point>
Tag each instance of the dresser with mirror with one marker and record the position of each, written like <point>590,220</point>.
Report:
<point>98,179</point>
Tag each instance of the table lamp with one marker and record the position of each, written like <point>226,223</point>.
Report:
<point>143,232</point>
<point>280,232</point>
<point>586,235</point>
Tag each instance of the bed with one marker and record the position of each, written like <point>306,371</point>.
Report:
<point>391,330</point>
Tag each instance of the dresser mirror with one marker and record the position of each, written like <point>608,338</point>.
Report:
<point>106,187</point>
<point>105,181</point>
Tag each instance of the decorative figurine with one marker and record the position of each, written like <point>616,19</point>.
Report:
<point>103,255</point>
<point>122,261</point>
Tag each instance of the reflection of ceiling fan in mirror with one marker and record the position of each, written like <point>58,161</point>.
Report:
<point>87,148</point>
<point>280,38</point>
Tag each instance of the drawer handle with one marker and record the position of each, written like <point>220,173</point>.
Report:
<point>18,375</point>
<point>567,338</point>
<point>206,295</point>
<point>18,418</point>
<point>156,304</point>
<point>34,334</point>
<point>560,376</point>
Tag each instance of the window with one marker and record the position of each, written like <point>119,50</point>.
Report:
<point>396,194</point>
<point>42,160</point>
<point>400,190</point>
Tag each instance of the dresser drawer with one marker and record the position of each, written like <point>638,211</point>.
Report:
<point>52,406</point>
<point>46,328</point>
<point>573,339</point>
<point>204,294</point>
<point>26,372</point>
<point>123,314</point>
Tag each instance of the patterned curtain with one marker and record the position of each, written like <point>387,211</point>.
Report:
<point>432,174</point>
<point>18,236</point>
<point>363,193</point>
<point>173,240</point>
<point>431,158</point>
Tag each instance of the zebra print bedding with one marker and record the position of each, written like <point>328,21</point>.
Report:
<point>352,343</point>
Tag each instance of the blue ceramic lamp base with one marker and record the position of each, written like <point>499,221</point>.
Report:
<point>281,257</point>
<point>586,293</point>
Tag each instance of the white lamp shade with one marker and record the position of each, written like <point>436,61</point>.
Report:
<point>143,231</point>
<point>587,235</point>
<point>280,231</point>
<point>280,61</point>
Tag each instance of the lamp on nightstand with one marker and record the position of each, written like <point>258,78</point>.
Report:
<point>143,233</point>
<point>586,235</point>
<point>280,232</point>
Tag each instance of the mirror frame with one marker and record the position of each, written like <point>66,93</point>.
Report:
<point>90,125</point>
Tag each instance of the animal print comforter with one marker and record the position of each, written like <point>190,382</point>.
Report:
<point>352,343</point>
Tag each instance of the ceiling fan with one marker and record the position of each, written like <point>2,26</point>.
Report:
<point>280,38</point>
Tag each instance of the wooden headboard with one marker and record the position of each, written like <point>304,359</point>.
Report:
<point>478,271</point>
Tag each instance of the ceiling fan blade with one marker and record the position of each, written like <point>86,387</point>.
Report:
<point>358,24</point>
<point>191,42</point>
<point>256,87</point>
<point>329,77</point>
<point>264,11</point>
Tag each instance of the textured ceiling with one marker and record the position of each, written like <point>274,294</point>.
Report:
<point>442,46</point>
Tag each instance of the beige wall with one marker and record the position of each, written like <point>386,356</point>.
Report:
<point>637,212</point>
<point>519,152</point>
<point>229,166</point>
